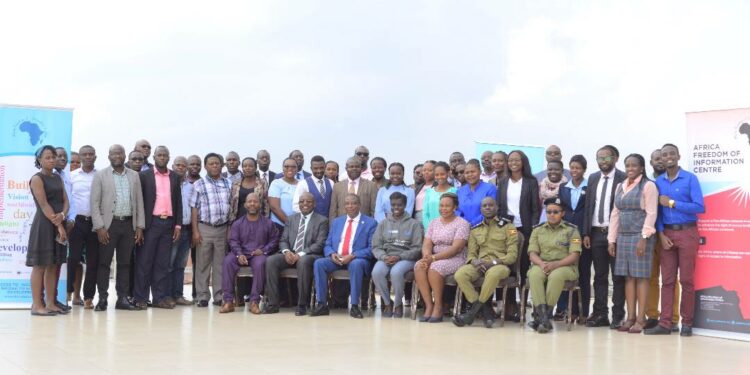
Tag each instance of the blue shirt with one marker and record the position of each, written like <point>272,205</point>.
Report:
<point>686,192</point>
<point>285,192</point>
<point>470,202</point>
<point>187,192</point>
<point>65,175</point>
<point>383,201</point>
<point>576,192</point>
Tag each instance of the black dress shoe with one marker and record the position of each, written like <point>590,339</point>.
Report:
<point>217,303</point>
<point>675,328</point>
<point>658,330</point>
<point>271,309</point>
<point>203,303</point>
<point>616,324</point>
<point>686,331</point>
<point>124,304</point>
<point>320,310</point>
<point>651,323</point>
<point>599,321</point>
<point>101,306</point>
<point>355,312</point>
<point>300,311</point>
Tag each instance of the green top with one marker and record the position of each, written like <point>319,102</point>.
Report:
<point>431,205</point>
<point>555,243</point>
<point>495,240</point>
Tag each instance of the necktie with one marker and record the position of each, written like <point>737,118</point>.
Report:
<point>299,243</point>
<point>347,238</point>
<point>351,188</point>
<point>322,188</point>
<point>265,176</point>
<point>602,196</point>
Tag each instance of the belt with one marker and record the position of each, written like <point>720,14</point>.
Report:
<point>121,218</point>
<point>163,217</point>
<point>679,226</point>
<point>604,230</point>
<point>214,225</point>
<point>84,218</point>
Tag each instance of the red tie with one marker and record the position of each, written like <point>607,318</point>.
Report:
<point>347,238</point>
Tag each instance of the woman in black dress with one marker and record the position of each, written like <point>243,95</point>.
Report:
<point>47,238</point>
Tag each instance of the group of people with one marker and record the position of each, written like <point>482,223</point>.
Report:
<point>477,220</point>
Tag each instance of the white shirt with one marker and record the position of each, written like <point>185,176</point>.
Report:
<point>302,188</point>
<point>81,190</point>
<point>355,223</point>
<point>366,174</point>
<point>514,200</point>
<point>306,220</point>
<point>607,199</point>
<point>487,177</point>
<point>65,175</point>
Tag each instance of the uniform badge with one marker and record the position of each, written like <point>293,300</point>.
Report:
<point>576,241</point>
<point>513,232</point>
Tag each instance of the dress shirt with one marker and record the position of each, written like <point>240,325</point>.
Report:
<point>302,188</point>
<point>487,177</point>
<point>305,219</point>
<point>686,192</point>
<point>383,200</point>
<point>122,194</point>
<point>163,203</point>
<point>514,200</point>
<point>211,198</point>
<point>65,175</point>
<point>246,236</point>
<point>649,202</point>
<point>470,202</point>
<point>285,192</point>
<point>607,199</point>
<point>355,223</point>
<point>80,182</point>
<point>187,191</point>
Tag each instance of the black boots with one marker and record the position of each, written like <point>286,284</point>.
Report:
<point>544,312</point>
<point>467,318</point>
<point>488,313</point>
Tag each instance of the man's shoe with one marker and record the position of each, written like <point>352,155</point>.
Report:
<point>170,301</point>
<point>355,312</point>
<point>101,306</point>
<point>271,309</point>
<point>651,323</point>
<point>559,315</point>
<point>181,301</point>
<point>217,303</point>
<point>658,330</point>
<point>489,315</point>
<point>300,311</point>
<point>163,304</point>
<point>686,331</point>
<point>544,324</point>
<point>320,310</point>
<point>599,321</point>
<point>88,304</point>
<point>467,318</point>
<point>533,324</point>
<point>254,308</point>
<point>226,308</point>
<point>675,328</point>
<point>616,324</point>
<point>398,311</point>
<point>141,305</point>
<point>387,311</point>
<point>123,304</point>
<point>202,303</point>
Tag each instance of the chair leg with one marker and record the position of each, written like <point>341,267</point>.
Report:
<point>370,297</point>
<point>523,305</point>
<point>580,305</point>
<point>568,318</point>
<point>414,300</point>
<point>504,302</point>
<point>237,298</point>
<point>312,298</point>
<point>457,302</point>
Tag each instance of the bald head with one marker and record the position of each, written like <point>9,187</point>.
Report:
<point>117,157</point>
<point>306,203</point>
<point>553,153</point>
<point>144,147</point>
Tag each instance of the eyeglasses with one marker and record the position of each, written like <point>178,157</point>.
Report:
<point>136,159</point>
<point>290,166</point>
<point>553,212</point>
<point>363,154</point>
<point>604,158</point>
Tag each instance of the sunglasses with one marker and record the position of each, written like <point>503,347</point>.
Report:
<point>553,212</point>
<point>363,154</point>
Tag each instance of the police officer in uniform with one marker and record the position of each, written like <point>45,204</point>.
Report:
<point>554,248</point>
<point>492,250</point>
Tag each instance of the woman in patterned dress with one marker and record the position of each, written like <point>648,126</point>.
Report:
<point>443,252</point>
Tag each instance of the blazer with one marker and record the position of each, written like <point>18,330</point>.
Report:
<point>148,186</point>
<point>315,235</point>
<point>362,244</point>
<point>271,176</point>
<point>103,199</point>
<point>530,206</point>
<point>367,192</point>
<point>591,195</point>
<point>575,214</point>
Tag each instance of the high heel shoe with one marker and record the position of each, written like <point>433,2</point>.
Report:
<point>637,327</point>
<point>625,327</point>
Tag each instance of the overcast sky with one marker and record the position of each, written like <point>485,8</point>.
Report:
<point>410,79</point>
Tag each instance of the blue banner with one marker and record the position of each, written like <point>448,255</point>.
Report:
<point>534,153</point>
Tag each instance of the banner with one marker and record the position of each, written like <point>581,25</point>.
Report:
<point>718,151</point>
<point>534,153</point>
<point>22,131</point>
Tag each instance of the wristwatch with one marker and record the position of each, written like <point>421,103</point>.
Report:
<point>671,203</point>
<point>645,237</point>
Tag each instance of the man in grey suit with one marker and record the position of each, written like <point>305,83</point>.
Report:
<point>366,190</point>
<point>301,244</point>
<point>118,220</point>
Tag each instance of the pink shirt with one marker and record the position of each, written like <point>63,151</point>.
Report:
<point>649,203</point>
<point>163,204</point>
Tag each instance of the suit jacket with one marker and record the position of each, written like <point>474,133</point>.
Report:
<point>575,214</point>
<point>530,206</point>
<point>148,186</point>
<point>362,244</point>
<point>103,199</point>
<point>315,235</point>
<point>367,192</point>
<point>271,176</point>
<point>591,195</point>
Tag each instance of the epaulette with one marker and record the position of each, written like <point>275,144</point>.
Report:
<point>570,224</point>
<point>477,225</point>
<point>539,225</point>
<point>501,221</point>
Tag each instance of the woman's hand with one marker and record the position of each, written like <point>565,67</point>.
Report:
<point>612,249</point>
<point>640,249</point>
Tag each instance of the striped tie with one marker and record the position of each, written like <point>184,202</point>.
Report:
<point>299,243</point>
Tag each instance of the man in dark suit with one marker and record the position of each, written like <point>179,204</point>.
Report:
<point>600,199</point>
<point>366,190</point>
<point>301,244</point>
<point>348,247</point>
<point>264,161</point>
<point>162,204</point>
<point>299,158</point>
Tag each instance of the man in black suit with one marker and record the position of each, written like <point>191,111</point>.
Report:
<point>264,161</point>
<point>301,244</point>
<point>299,158</point>
<point>600,199</point>
<point>162,204</point>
